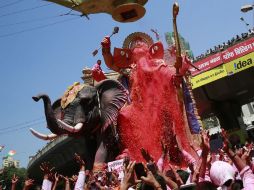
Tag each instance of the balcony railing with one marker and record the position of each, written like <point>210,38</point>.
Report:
<point>46,148</point>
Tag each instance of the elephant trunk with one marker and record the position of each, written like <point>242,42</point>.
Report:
<point>50,115</point>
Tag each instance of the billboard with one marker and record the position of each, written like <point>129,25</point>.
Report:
<point>230,68</point>
<point>231,53</point>
<point>238,50</point>
<point>207,64</point>
<point>208,76</point>
<point>240,64</point>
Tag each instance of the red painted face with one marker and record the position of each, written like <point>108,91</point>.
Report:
<point>138,43</point>
<point>139,49</point>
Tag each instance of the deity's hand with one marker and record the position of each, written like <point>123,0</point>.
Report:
<point>106,42</point>
<point>177,79</point>
<point>175,9</point>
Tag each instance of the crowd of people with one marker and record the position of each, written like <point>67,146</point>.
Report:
<point>224,45</point>
<point>231,168</point>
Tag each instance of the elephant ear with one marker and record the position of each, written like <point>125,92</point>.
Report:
<point>112,97</point>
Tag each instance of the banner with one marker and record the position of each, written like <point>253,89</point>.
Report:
<point>240,64</point>
<point>208,76</point>
<point>190,110</point>
<point>238,50</point>
<point>227,55</point>
<point>207,63</point>
<point>118,167</point>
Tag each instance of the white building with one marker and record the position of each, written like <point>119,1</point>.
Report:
<point>9,161</point>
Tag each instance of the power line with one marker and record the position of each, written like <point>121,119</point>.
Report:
<point>30,21</point>
<point>24,10</point>
<point>23,127</point>
<point>36,28</point>
<point>23,123</point>
<point>20,128</point>
<point>13,3</point>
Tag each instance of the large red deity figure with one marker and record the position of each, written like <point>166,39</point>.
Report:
<point>156,110</point>
<point>158,107</point>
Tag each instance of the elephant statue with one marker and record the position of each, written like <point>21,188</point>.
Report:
<point>85,111</point>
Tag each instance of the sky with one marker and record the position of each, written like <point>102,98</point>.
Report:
<point>41,51</point>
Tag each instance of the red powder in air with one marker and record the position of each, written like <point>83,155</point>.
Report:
<point>153,111</point>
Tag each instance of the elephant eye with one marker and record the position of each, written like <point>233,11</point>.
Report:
<point>87,100</point>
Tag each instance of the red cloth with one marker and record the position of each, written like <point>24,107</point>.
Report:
<point>154,109</point>
<point>97,73</point>
<point>123,58</point>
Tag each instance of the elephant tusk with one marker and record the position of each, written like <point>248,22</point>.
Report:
<point>43,136</point>
<point>69,128</point>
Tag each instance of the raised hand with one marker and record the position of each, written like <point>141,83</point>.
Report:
<point>225,140</point>
<point>65,178</point>
<point>245,156</point>
<point>178,144</point>
<point>56,180</point>
<point>147,157</point>
<point>45,168</point>
<point>47,171</point>
<point>67,182</point>
<point>14,179</point>
<point>205,141</point>
<point>73,178</point>
<point>221,154</point>
<point>57,177</point>
<point>179,180</point>
<point>129,177</point>
<point>196,173</point>
<point>164,148</point>
<point>150,179</point>
<point>28,184</point>
<point>126,161</point>
<point>80,161</point>
<point>106,42</point>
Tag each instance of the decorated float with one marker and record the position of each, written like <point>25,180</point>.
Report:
<point>151,102</point>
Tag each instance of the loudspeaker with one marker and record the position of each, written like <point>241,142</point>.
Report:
<point>128,11</point>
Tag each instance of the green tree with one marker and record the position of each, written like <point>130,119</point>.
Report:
<point>7,174</point>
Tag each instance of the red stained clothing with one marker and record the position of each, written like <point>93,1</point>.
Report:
<point>97,73</point>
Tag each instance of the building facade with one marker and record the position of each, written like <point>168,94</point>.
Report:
<point>9,162</point>
<point>223,86</point>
